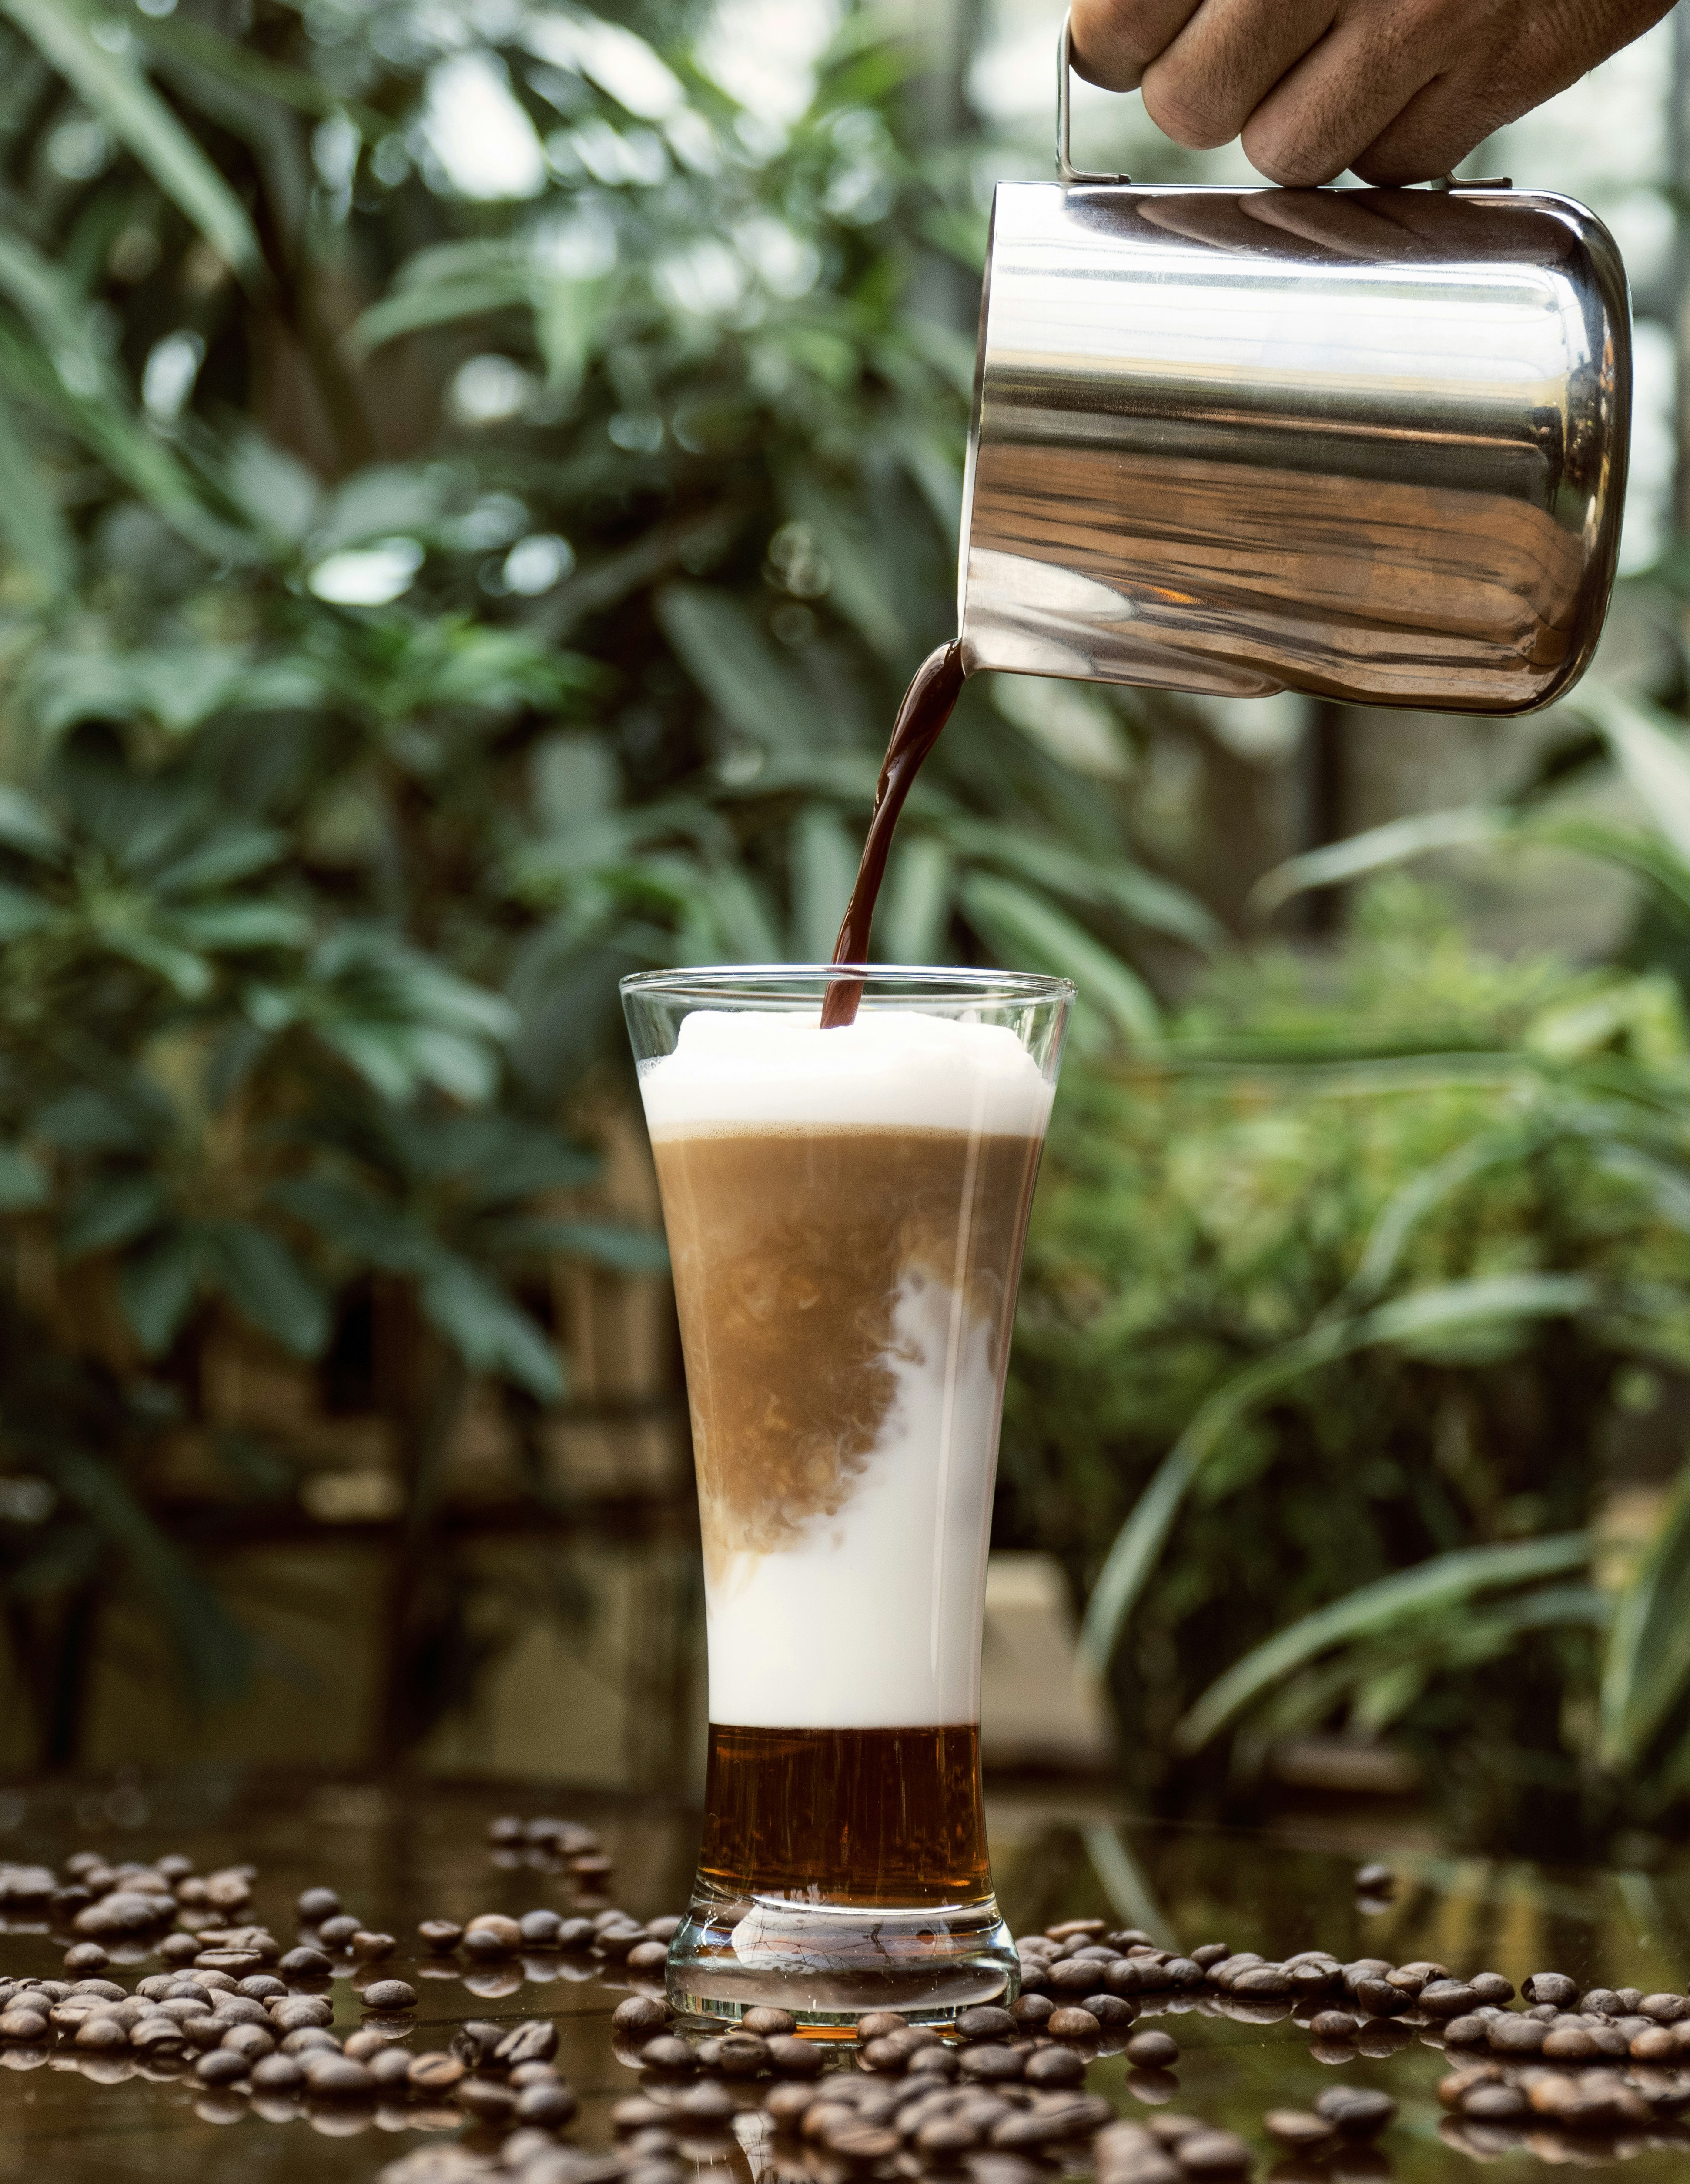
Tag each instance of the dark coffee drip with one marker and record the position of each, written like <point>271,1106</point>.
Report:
<point>926,708</point>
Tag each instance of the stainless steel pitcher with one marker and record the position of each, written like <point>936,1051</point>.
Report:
<point>1367,444</point>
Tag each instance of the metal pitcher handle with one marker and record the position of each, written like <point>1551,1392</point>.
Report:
<point>1067,174</point>
<point>1071,177</point>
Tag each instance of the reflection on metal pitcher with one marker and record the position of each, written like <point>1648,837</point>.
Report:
<point>1366,444</point>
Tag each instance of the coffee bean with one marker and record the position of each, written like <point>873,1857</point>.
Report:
<point>1152,2051</point>
<point>308,2037</point>
<point>262,1986</point>
<point>1032,2012</point>
<point>1110,2010</point>
<point>640,2014</point>
<point>549,2107</point>
<point>1210,1953</point>
<point>277,2074</point>
<point>1491,1987</point>
<point>1568,2043</point>
<point>1442,1998</point>
<point>250,2042</point>
<point>1072,1976</point>
<point>1601,2002</point>
<point>492,1933</point>
<point>178,1949</point>
<point>987,2065</point>
<point>1071,2022</point>
<point>667,2053</point>
<point>1334,2024</point>
<point>574,1933</point>
<point>487,2098</point>
<point>299,2011</point>
<point>1213,2154</point>
<point>1470,2032</point>
<point>941,2138</point>
<point>389,2064</point>
<point>536,2041</point>
<point>102,2034</point>
<point>304,1963</point>
<point>1657,2045</point>
<point>390,1994</point>
<point>435,2072</point>
<point>369,1948</point>
<point>85,1957</point>
<point>887,2054</point>
<point>984,2022</point>
<point>934,2065</point>
<point>1665,2008</point>
<point>1379,1998</point>
<point>706,2103</point>
<point>876,2024</point>
<point>23,2022</point>
<point>789,2056</point>
<point>1494,2102</point>
<point>1382,2038</point>
<point>439,1935</point>
<point>1054,2066</point>
<point>220,2067</point>
<point>1297,2127</point>
<point>647,1956</point>
<point>1356,2111</point>
<point>540,1927</point>
<point>1630,1997</point>
<point>765,2021</point>
<point>744,2055</point>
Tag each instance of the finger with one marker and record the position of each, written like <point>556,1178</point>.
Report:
<point>1205,87</point>
<point>1340,98</point>
<point>1486,88</point>
<point>1114,40</point>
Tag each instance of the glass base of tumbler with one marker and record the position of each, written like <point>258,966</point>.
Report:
<point>830,1963</point>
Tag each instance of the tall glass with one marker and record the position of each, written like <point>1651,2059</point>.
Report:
<point>845,1211</point>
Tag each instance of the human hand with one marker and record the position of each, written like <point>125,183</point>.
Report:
<point>1398,91</point>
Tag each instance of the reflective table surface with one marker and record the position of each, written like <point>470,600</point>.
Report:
<point>403,1853</point>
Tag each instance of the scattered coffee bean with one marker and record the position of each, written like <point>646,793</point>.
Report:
<point>1356,2111</point>
<point>986,2022</point>
<point>85,1957</point>
<point>390,1994</point>
<point>304,1963</point>
<point>435,2071</point>
<point>439,1935</point>
<point>1334,2024</point>
<point>549,2107</point>
<point>665,2053</point>
<point>1054,2066</point>
<point>639,2014</point>
<point>1494,2102</point>
<point>1297,2128</point>
<point>536,2041</point>
<point>876,2024</point>
<point>1213,2154</point>
<point>1111,2011</point>
<point>987,2065</point>
<point>1152,2051</point>
<point>789,2056</point>
<point>1491,1988</point>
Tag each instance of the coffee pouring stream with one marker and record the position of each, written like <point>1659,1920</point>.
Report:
<point>1368,444</point>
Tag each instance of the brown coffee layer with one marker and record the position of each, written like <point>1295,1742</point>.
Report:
<point>889,1816</point>
<point>791,1249</point>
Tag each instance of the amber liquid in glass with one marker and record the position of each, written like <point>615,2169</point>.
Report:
<point>872,1816</point>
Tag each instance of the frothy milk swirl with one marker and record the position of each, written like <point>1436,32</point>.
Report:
<point>845,1210</point>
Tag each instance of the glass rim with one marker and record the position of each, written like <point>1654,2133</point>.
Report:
<point>881,981</point>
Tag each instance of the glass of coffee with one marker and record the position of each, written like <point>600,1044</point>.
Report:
<point>845,1211</point>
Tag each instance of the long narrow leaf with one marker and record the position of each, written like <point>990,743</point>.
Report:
<point>1377,849</point>
<point>1429,1588</point>
<point>137,117</point>
<point>1452,1308</point>
<point>1646,1666</point>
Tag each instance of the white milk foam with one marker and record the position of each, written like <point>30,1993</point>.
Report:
<point>871,1618</point>
<point>759,1068</point>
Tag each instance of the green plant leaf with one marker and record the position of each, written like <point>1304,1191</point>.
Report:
<point>1647,1666</point>
<point>28,827</point>
<point>913,918</point>
<point>1452,1307</point>
<point>31,520</point>
<point>1429,1588</point>
<point>267,1285</point>
<point>1472,826</point>
<point>1032,934</point>
<point>24,1183</point>
<point>1648,745</point>
<point>104,1215</point>
<point>736,665</point>
<point>823,862</point>
<point>137,117</point>
<point>157,1286</point>
<point>21,913</point>
<point>490,1332</point>
<point>623,1251</point>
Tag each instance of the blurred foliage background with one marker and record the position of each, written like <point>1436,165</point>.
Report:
<point>474,480</point>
